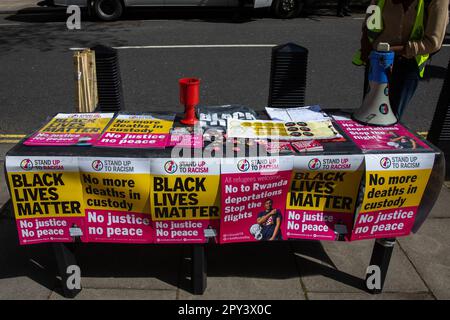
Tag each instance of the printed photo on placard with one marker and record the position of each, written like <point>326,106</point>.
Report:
<point>254,198</point>
<point>116,199</point>
<point>185,199</point>
<point>47,198</point>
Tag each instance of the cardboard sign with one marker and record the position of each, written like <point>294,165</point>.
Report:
<point>254,198</point>
<point>116,199</point>
<point>394,187</point>
<point>66,129</point>
<point>185,199</point>
<point>322,197</point>
<point>46,196</point>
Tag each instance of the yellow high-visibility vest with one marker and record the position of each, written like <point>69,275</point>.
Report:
<point>416,34</point>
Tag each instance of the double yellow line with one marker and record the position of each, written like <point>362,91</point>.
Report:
<point>11,138</point>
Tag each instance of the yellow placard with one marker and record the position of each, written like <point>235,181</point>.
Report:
<point>325,191</point>
<point>86,123</point>
<point>46,194</point>
<point>394,189</point>
<point>182,197</point>
<point>114,191</point>
<point>123,124</point>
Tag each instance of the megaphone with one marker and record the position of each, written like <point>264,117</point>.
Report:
<point>376,108</point>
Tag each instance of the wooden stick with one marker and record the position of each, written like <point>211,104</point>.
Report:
<point>78,98</point>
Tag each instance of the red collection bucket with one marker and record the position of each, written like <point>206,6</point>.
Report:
<point>189,91</point>
<point>189,97</point>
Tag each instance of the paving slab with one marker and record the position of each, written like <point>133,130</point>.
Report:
<point>250,271</point>
<point>26,272</point>
<point>368,296</point>
<point>240,288</point>
<point>441,208</point>
<point>429,250</point>
<point>119,294</point>
<point>337,267</point>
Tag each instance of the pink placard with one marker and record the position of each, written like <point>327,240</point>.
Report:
<point>133,140</point>
<point>316,225</point>
<point>187,231</point>
<point>395,137</point>
<point>41,230</point>
<point>253,199</point>
<point>118,226</point>
<point>60,139</point>
<point>388,223</point>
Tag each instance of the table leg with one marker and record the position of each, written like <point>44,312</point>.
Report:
<point>65,258</point>
<point>198,272</point>
<point>381,257</point>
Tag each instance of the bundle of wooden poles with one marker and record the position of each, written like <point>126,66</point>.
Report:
<point>86,80</point>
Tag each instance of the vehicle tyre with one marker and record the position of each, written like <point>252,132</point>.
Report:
<point>108,10</point>
<point>287,9</point>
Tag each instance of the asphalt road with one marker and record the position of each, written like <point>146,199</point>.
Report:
<point>37,78</point>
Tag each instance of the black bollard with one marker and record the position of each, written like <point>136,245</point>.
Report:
<point>288,76</point>
<point>109,83</point>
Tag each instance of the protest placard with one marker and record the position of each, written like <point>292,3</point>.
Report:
<point>394,186</point>
<point>116,199</point>
<point>254,198</point>
<point>46,196</point>
<point>185,199</point>
<point>67,129</point>
<point>137,131</point>
<point>322,197</point>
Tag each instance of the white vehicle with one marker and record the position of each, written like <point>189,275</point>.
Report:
<point>108,10</point>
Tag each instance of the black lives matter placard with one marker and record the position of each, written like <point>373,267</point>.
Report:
<point>185,199</point>
<point>47,198</point>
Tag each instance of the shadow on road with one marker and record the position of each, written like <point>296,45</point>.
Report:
<point>56,37</point>
<point>46,30</point>
<point>219,15</point>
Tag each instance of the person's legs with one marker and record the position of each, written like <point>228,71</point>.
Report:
<point>366,79</point>
<point>402,84</point>
<point>346,8</point>
<point>340,8</point>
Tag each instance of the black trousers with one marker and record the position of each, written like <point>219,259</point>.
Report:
<point>342,6</point>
